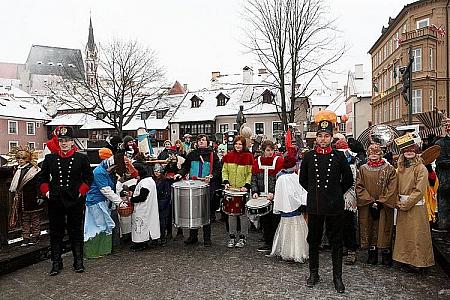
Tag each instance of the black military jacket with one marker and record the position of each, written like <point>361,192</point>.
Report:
<point>326,177</point>
<point>65,175</point>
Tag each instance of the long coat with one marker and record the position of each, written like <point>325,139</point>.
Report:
<point>326,177</point>
<point>443,173</point>
<point>413,238</point>
<point>376,184</point>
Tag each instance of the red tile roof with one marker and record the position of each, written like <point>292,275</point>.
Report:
<point>177,89</point>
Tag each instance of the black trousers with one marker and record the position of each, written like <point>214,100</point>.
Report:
<point>333,230</point>
<point>349,230</point>
<point>206,232</point>
<point>62,218</point>
<point>269,224</point>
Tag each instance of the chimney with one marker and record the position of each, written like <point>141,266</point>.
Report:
<point>359,71</point>
<point>247,75</point>
<point>215,76</point>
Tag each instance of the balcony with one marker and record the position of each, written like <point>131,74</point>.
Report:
<point>425,32</point>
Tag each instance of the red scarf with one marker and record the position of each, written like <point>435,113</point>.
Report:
<point>327,150</point>
<point>375,164</point>
<point>68,154</point>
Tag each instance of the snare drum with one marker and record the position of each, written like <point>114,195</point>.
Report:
<point>233,203</point>
<point>258,207</point>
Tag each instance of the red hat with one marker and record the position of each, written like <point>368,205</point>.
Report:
<point>342,145</point>
<point>289,162</point>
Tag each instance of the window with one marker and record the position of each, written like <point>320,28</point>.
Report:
<point>44,145</point>
<point>267,96</point>
<point>31,128</point>
<point>397,41</point>
<point>376,115</point>
<point>31,145</point>
<point>385,114</point>
<point>223,128</point>
<point>160,114</point>
<point>13,127</point>
<point>431,61</point>
<point>431,100</point>
<point>342,127</point>
<point>259,128</point>
<point>416,101</point>
<point>422,23</point>
<point>222,99</point>
<point>195,102</point>
<point>405,28</point>
<point>417,63</point>
<point>235,126</point>
<point>391,110</point>
<point>13,144</point>
<point>277,128</point>
<point>397,107</point>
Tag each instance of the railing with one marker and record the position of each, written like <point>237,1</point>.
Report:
<point>421,32</point>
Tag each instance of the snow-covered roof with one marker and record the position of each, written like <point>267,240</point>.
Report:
<point>322,99</point>
<point>96,124</point>
<point>148,124</point>
<point>22,109</point>
<point>14,93</point>
<point>338,105</point>
<point>75,119</point>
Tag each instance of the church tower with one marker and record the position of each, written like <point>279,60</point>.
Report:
<point>91,57</point>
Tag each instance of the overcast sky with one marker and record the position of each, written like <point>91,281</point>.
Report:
<point>192,37</point>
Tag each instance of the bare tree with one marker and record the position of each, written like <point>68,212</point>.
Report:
<point>296,42</point>
<point>128,77</point>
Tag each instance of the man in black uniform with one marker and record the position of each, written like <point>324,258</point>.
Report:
<point>326,175</point>
<point>65,178</point>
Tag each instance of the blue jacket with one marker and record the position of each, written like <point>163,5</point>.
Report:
<point>101,179</point>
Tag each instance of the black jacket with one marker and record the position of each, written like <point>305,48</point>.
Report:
<point>326,177</point>
<point>64,177</point>
<point>194,156</point>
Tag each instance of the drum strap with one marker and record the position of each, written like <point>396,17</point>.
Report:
<point>266,169</point>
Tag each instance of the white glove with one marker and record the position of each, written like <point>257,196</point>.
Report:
<point>47,195</point>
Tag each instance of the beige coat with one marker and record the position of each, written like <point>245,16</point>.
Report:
<point>413,238</point>
<point>376,184</point>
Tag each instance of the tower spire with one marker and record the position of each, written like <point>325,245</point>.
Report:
<point>91,42</point>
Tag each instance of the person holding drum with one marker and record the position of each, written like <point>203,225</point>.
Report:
<point>237,176</point>
<point>203,164</point>
<point>264,174</point>
<point>326,175</point>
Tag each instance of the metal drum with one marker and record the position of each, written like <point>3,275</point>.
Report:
<point>190,200</point>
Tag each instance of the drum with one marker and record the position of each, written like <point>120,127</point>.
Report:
<point>233,203</point>
<point>258,207</point>
<point>190,200</point>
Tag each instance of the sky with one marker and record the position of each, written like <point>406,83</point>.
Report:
<point>192,38</point>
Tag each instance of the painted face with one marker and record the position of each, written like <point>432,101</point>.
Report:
<point>323,139</point>
<point>447,125</point>
<point>202,143</point>
<point>167,145</point>
<point>238,146</point>
<point>22,159</point>
<point>268,152</point>
<point>65,144</point>
<point>409,152</point>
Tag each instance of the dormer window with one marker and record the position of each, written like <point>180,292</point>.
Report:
<point>222,99</point>
<point>196,102</point>
<point>161,113</point>
<point>145,115</point>
<point>268,96</point>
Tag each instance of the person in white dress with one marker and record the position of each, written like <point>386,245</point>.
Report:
<point>145,217</point>
<point>290,238</point>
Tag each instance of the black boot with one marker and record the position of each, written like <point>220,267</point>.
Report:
<point>337,269</point>
<point>314,277</point>
<point>193,237</point>
<point>373,256</point>
<point>77,251</point>
<point>386,257</point>
<point>57,264</point>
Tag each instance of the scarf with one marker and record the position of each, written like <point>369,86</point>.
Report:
<point>375,164</point>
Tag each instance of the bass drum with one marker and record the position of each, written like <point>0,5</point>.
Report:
<point>190,200</point>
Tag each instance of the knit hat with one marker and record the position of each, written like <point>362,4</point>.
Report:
<point>104,153</point>
<point>289,162</point>
<point>127,139</point>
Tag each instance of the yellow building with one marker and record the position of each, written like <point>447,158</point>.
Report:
<point>423,27</point>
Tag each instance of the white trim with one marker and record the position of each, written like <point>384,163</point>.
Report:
<point>264,127</point>
<point>9,144</point>
<point>228,127</point>
<point>34,145</point>
<point>44,145</point>
<point>17,127</point>
<point>34,128</point>
<point>423,20</point>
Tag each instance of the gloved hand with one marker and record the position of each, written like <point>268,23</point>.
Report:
<point>374,209</point>
<point>40,201</point>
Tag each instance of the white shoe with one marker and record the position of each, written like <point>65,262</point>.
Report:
<point>241,243</point>
<point>231,243</point>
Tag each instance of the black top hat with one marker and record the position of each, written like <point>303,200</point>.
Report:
<point>65,132</point>
<point>325,126</point>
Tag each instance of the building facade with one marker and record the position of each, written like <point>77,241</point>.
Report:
<point>420,27</point>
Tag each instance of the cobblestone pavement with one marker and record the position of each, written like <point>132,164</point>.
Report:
<point>195,272</point>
